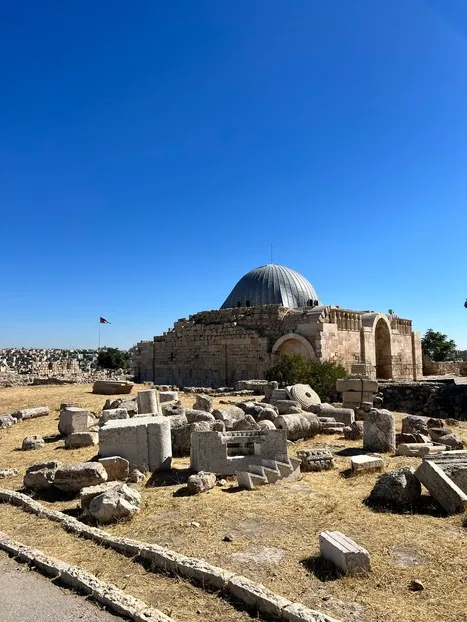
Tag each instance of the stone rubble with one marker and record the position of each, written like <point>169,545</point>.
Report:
<point>32,442</point>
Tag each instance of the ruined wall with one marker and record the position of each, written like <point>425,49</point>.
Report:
<point>218,348</point>
<point>440,368</point>
<point>212,348</point>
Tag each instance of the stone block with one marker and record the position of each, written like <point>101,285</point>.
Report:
<point>114,413</point>
<point>148,402</point>
<point>144,441</point>
<point>74,477</point>
<point>81,439</point>
<point>363,464</point>
<point>204,402</point>
<point>168,396</point>
<point>287,407</point>
<point>316,459</point>
<point>419,449</point>
<point>117,468</point>
<point>379,431</point>
<point>344,415</point>
<point>399,488</point>
<point>344,553</point>
<point>356,384</point>
<point>32,442</point>
<point>86,495</point>
<point>441,487</point>
<point>200,482</point>
<point>73,419</point>
<point>351,397</point>
<point>256,596</point>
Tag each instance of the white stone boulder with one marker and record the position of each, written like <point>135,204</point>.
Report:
<point>204,402</point>
<point>194,416</point>
<point>32,442</point>
<point>200,482</point>
<point>115,504</point>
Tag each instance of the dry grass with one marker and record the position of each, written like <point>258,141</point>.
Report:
<point>273,521</point>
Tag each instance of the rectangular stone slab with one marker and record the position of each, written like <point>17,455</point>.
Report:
<point>360,464</point>
<point>419,449</point>
<point>441,487</point>
<point>343,552</point>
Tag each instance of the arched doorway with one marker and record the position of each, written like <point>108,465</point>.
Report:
<point>383,350</point>
<point>294,344</point>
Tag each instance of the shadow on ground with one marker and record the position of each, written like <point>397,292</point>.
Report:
<point>174,477</point>
<point>321,568</point>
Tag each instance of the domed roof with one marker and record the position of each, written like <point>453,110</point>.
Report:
<point>271,285</point>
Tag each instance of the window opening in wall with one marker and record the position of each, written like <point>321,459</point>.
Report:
<point>247,303</point>
<point>239,303</point>
<point>240,449</point>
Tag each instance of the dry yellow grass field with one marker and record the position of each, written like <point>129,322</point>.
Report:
<point>275,532</point>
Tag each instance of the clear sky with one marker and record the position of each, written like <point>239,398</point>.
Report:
<point>151,153</point>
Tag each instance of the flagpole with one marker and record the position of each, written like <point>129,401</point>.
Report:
<point>99,342</point>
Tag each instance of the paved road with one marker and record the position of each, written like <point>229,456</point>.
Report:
<point>27,596</point>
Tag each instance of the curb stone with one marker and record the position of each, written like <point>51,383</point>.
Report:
<point>252,595</point>
<point>80,580</point>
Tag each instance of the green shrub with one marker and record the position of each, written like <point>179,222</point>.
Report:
<point>320,375</point>
<point>112,358</point>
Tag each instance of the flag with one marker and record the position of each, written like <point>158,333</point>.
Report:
<point>102,320</point>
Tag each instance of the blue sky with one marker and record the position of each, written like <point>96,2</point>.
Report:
<point>151,153</point>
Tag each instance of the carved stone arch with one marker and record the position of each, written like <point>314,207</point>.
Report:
<point>381,329</point>
<point>294,344</point>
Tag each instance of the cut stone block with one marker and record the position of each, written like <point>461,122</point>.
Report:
<point>144,441</point>
<point>168,396</point>
<point>148,402</point>
<point>316,459</point>
<point>299,613</point>
<point>344,553</point>
<point>419,449</point>
<point>114,413</point>
<point>81,439</point>
<point>361,464</point>
<point>356,384</point>
<point>441,487</point>
<point>352,397</point>
<point>73,419</point>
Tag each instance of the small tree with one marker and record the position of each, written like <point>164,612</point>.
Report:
<point>320,375</point>
<point>112,358</point>
<point>437,347</point>
<point>288,370</point>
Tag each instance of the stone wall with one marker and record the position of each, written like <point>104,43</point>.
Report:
<point>442,368</point>
<point>436,399</point>
<point>218,348</point>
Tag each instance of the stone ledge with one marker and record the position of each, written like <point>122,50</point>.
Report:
<point>82,581</point>
<point>252,595</point>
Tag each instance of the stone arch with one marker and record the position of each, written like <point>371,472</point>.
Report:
<point>294,344</point>
<point>381,329</point>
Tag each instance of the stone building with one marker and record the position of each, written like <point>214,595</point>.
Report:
<point>271,311</point>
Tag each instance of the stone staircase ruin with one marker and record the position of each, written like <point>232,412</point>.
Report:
<point>269,471</point>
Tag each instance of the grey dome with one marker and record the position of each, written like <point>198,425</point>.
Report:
<point>272,285</point>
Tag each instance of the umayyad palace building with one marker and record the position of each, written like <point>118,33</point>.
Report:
<point>274,310</point>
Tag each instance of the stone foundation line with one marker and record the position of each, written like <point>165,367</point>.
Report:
<point>252,595</point>
<point>82,581</point>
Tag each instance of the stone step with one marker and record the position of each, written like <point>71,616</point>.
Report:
<point>248,480</point>
<point>272,475</point>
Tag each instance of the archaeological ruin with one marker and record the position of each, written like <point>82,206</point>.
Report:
<point>271,311</point>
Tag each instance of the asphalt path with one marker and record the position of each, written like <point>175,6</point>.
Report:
<point>27,596</point>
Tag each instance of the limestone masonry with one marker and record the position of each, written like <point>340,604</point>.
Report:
<point>220,347</point>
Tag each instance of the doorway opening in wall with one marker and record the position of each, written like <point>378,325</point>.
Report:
<point>383,350</point>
